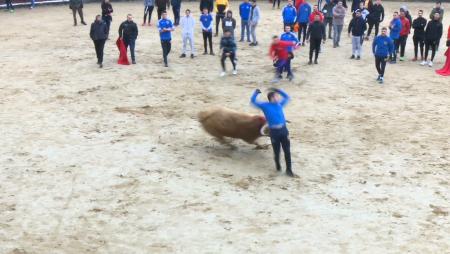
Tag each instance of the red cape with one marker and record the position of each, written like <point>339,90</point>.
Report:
<point>445,71</point>
<point>123,58</point>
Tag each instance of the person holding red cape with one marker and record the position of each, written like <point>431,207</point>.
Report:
<point>445,71</point>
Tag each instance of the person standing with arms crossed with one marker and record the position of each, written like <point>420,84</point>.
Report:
<point>433,34</point>
<point>338,23</point>
<point>375,17</point>
<point>382,47</point>
<point>128,31</point>
<point>206,21</point>
<point>254,20</point>
<point>279,134</point>
<point>98,34</point>
<point>165,28</point>
<point>396,27</point>
<point>419,25</point>
<point>244,11</point>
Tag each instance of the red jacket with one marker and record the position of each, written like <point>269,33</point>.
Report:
<point>313,14</point>
<point>298,3</point>
<point>406,26</point>
<point>280,51</point>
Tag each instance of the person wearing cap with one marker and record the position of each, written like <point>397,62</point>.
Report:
<point>382,47</point>
<point>375,17</point>
<point>419,25</point>
<point>255,16</point>
<point>395,26</point>
<point>357,27</point>
<point>279,134</point>
<point>165,28</point>
<point>187,24</point>
<point>338,22</point>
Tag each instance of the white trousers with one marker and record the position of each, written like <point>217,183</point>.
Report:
<point>188,37</point>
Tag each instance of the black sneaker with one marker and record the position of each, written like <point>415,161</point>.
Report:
<point>205,53</point>
<point>289,173</point>
<point>100,65</point>
<point>310,62</point>
<point>352,57</point>
<point>183,56</point>
<point>290,77</point>
<point>192,56</point>
<point>166,65</point>
<point>212,53</point>
<point>241,40</point>
<point>84,23</point>
<point>133,62</point>
<point>278,167</point>
<point>379,76</point>
<point>358,58</point>
<point>315,62</point>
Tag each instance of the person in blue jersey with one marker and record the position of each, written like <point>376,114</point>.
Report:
<point>382,47</point>
<point>206,21</point>
<point>289,15</point>
<point>303,20</point>
<point>279,134</point>
<point>165,27</point>
<point>289,36</point>
<point>244,11</point>
<point>396,27</point>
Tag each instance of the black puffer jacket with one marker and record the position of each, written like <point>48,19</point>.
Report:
<point>128,29</point>
<point>433,31</point>
<point>419,25</point>
<point>376,13</point>
<point>99,31</point>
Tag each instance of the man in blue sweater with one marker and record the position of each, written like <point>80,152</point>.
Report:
<point>165,28</point>
<point>382,47</point>
<point>279,134</point>
<point>244,11</point>
<point>396,27</point>
<point>289,36</point>
<point>289,15</point>
<point>304,11</point>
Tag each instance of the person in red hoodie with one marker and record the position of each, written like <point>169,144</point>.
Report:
<point>314,13</point>
<point>279,51</point>
<point>406,27</point>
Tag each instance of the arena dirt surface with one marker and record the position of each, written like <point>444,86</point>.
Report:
<point>113,160</point>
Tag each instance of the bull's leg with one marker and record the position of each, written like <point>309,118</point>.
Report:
<point>226,142</point>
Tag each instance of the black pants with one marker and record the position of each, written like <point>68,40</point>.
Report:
<point>108,20</point>
<point>274,1</point>
<point>371,25</point>
<point>99,46</point>
<point>148,10</point>
<point>160,10</point>
<point>232,59</point>
<point>380,64</point>
<point>219,17</point>
<point>280,138</point>
<point>430,45</point>
<point>418,42</point>
<point>176,14</point>
<point>207,37</point>
<point>329,22</point>
<point>402,42</point>
<point>302,27</point>
<point>396,46</point>
<point>166,47</point>
<point>314,47</point>
<point>80,13</point>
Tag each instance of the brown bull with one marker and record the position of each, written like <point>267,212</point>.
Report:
<point>222,122</point>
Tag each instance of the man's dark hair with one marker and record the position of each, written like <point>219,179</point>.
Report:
<point>395,12</point>
<point>270,95</point>
<point>438,2</point>
<point>164,12</point>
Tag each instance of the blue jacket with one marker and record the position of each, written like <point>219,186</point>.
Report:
<point>289,37</point>
<point>303,13</point>
<point>165,23</point>
<point>289,14</point>
<point>382,46</point>
<point>244,10</point>
<point>206,20</point>
<point>395,29</point>
<point>273,111</point>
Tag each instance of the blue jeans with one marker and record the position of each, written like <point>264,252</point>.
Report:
<point>245,26</point>
<point>283,65</point>
<point>132,43</point>
<point>176,14</point>
<point>280,139</point>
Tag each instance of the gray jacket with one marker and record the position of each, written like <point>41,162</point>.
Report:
<point>255,15</point>
<point>339,15</point>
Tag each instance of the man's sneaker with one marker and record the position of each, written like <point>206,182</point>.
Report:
<point>133,62</point>
<point>252,44</point>
<point>183,56</point>
<point>381,80</point>
<point>100,65</point>
<point>402,58</point>
<point>352,57</point>
<point>84,23</point>
<point>358,58</point>
<point>234,72</point>
<point>278,167</point>
<point>430,64</point>
<point>212,53</point>
<point>215,35</point>
<point>222,74</point>
<point>143,24</point>
<point>205,53</point>
<point>393,62</point>
<point>423,63</point>
<point>310,62</point>
<point>289,173</point>
<point>290,77</point>
<point>315,61</point>
<point>241,40</point>
<point>166,65</point>
<point>414,59</point>
<point>379,76</point>
<point>192,56</point>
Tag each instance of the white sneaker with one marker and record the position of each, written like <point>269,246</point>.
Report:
<point>234,72</point>
<point>222,74</point>
<point>423,63</point>
<point>430,64</point>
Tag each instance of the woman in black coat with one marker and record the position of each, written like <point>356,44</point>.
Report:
<point>98,34</point>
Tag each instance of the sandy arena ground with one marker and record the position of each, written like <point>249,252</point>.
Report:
<point>113,160</point>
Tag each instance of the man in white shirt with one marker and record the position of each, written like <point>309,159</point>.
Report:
<point>187,24</point>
